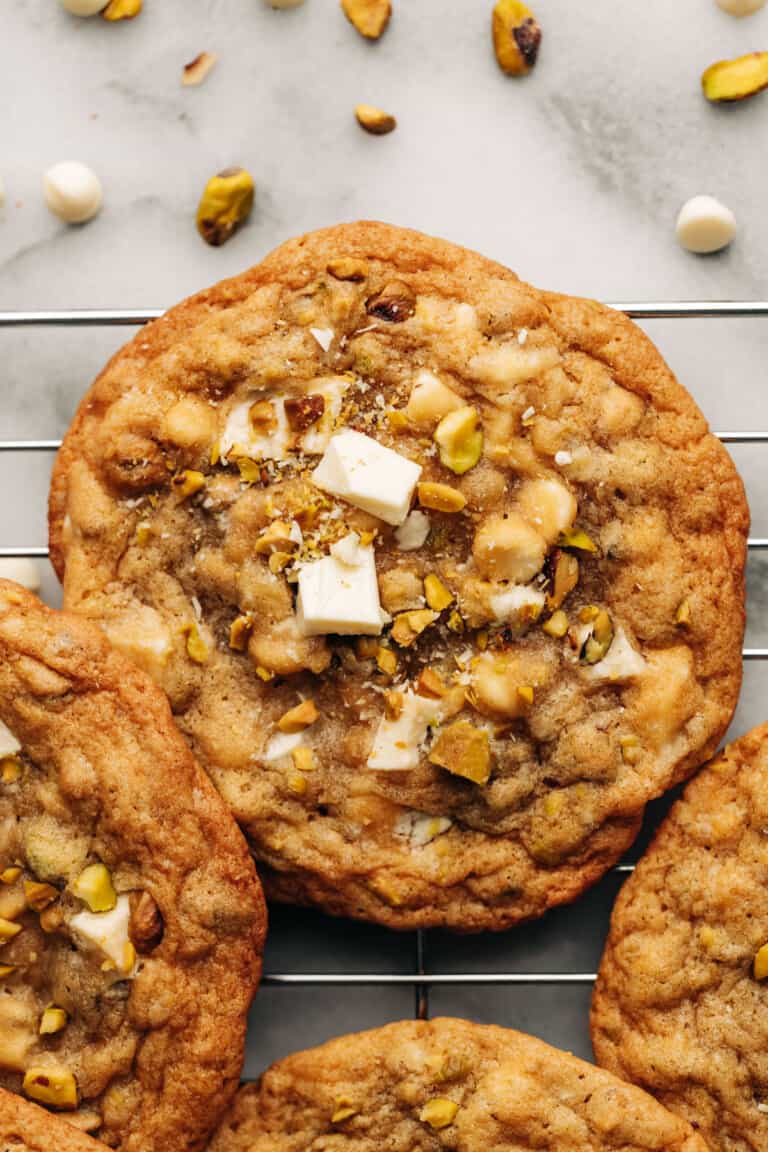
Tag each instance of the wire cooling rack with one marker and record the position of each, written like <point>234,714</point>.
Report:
<point>422,978</point>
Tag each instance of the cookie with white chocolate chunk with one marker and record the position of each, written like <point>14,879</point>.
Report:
<point>131,918</point>
<point>681,1002</point>
<point>480,528</point>
<point>445,1083</point>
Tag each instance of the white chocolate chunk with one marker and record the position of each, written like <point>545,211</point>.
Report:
<point>705,225</point>
<point>413,532</point>
<point>740,7</point>
<point>280,745</point>
<point>517,600</point>
<point>419,828</point>
<point>332,389</point>
<point>72,191</point>
<point>324,337</point>
<point>512,364</point>
<point>9,745</point>
<point>142,634</point>
<point>621,662</point>
<point>108,932</point>
<point>339,594</point>
<point>430,399</point>
<point>397,743</point>
<point>365,473</point>
<point>549,506</point>
<point>241,439</point>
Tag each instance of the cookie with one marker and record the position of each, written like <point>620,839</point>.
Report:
<point>681,1004</point>
<point>443,575</point>
<point>25,1127</point>
<point>131,919</point>
<point>445,1084</point>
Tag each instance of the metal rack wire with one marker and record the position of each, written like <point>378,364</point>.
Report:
<point>421,979</point>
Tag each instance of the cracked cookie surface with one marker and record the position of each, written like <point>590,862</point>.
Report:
<point>680,1006</point>
<point>440,1084</point>
<point>477,532</point>
<point>131,918</point>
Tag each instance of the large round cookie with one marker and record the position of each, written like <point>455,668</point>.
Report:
<point>26,1128</point>
<point>549,638</point>
<point>131,919</point>
<point>681,1003</point>
<point>445,1083</point>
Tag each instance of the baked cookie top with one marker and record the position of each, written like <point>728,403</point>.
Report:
<point>131,918</point>
<point>443,575</point>
<point>445,1083</point>
<point>681,1004</point>
<point>25,1127</point>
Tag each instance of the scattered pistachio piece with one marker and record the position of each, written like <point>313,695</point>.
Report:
<point>10,769</point>
<point>38,895</point>
<point>599,641</point>
<point>630,749</point>
<point>369,17</point>
<point>239,631</point>
<point>578,539</point>
<point>143,533</point>
<point>525,694</point>
<point>250,470</point>
<point>455,621</point>
<point>298,718</point>
<point>94,886</point>
<point>226,203</point>
<point>51,1085</point>
<point>430,683</point>
<point>296,783</point>
<point>462,749</point>
<point>196,71</point>
<point>375,120</point>
<point>10,875</point>
<point>343,1108</point>
<point>730,80</point>
<point>557,625</point>
<point>394,303</point>
<point>53,1020</point>
<point>439,1112</point>
<point>386,660</point>
<point>562,572</point>
<point>8,929</point>
<point>683,614</point>
<point>265,674</point>
<point>438,597</point>
<point>760,963</point>
<point>197,649</point>
<point>186,483</point>
<point>347,268</point>
<point>303,758</point>
<point>460,439</point>
<point>409,625</point>
<point>440,497</point>
<point>516,37</point>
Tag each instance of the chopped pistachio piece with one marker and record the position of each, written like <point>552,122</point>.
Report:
<point>10,769</point>
<point>440,497</point>
<point>8,929</point>
<point>683,614</point>
<point>343,1108</point>
<point>430,683</point>
<point>516,37</point>
<point>52,1085</point>
<point>143,533</point>
<point>462,749</point>
<point>437,595</point>
<point>197,649</point>
<point>525,693</point>
<point>439,1112</point>
<point>38,895</point>
<point>599,641</point>
<point>409,625</point>
<point>225,204</point>
<point>386,660</point>
<point>369,17</point>
<point>250,470</point>
<point>239,631</point>
<point>94,886</point>
<point>10,875</point>
<point>186,483</point>
<point>375,120</point>
<point>562,571</point>
<point>298,718</point>
<point>578,539</point>
<point>296,783</point>
<point>459,438</point>
<point>631,750</point>
<point>303,758</point>
<point>760,963</point>
<point>730,80</point>
<point>122,9</point>
<point>53,1020</point>
<point>557,625</point>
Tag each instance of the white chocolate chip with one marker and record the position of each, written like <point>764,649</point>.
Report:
<point>324,337</point>
<point>740,7</point>
<point>563,458</point>
<point>84,7</point>
<point>9,745</point>
<point>705,225</point>
<point>22,570</point>
<point>413,532</point>
<point>72,191</point>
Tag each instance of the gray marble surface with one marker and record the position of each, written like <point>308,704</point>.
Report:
<point>572,176</point>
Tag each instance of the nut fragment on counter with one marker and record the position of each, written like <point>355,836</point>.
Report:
<point>21,570</point>
<point>369,17</point>
<point>225,204</point>
<point>731,80</point>
<point>198,69</point>
<point>72,191</point>
<point>375,120</point>
<point>705,225</point>
<point>122,9</point>
<point>84,7</point>
<point>516,37</point>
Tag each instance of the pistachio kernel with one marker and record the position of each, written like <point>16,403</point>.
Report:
<point>303,411</point>
<point>55,1086</point>
<point>631,752</point>
<point>343,1108</point>
<point>366,647</point>
<point>298,718</point>
<point>462,749</point>
<point>439,1112</point>
<point>146,926</point>
<point>53,1020</point>
<point>303,758</point>
<point>11,769</point>
<point>225,204</point>
<point>394,702</point>
<point>94,886</point>
<point>348,268</point>
<point>760,963</point>
<point>561,570</point>
<point>375,121</point>
<point>38,895</point>
<point>197,649</point>
<point>122,9</point>
<point>250,470</point>
<point>516,37</point>
<point>296,783</point>
<point>557,625</point>
<point>10,875</point>
<point>438,597</point>
<point>730,80</point>
<point>459,438</point>
<point>186,483</point>
<point>8,929</point>
<point>143,533</point>
<point>525,694</point>
<point>430,683</point>
<point>278,562</point>
<point>683,614</point>
<point>386,660</point>
<point>409,625</point>
<point>265,674</point>
<point>455,621</point>
<point>578,539</point>
<point>440,497</point>
<point>369,17</point>
<point>596,645</point>
<point>239,631</point>
<point>394,303</point>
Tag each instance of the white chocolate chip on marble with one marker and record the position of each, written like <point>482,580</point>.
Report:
<point>705,225</point>
<point>72,191</point>
<point>22,570</point>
